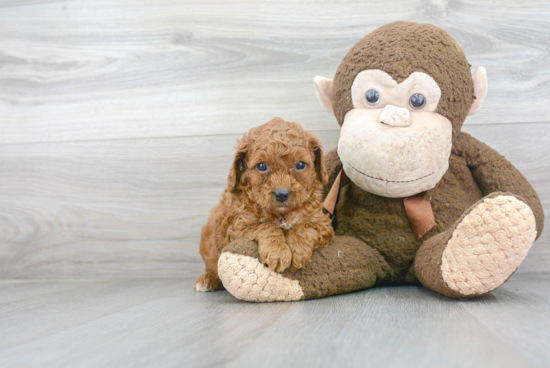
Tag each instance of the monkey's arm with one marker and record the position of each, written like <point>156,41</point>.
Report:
<point>493,173</point>
<point>334,166</point>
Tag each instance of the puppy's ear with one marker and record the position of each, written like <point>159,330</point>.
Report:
<point>238,167</point>
<point>319,159</point>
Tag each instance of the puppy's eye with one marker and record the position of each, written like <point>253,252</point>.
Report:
<point>262,167</point>
<point>417,101</point>
<point>300,166</point>
<point>372,96</point>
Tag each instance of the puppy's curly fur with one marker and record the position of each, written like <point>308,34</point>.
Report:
<point>287,229</point>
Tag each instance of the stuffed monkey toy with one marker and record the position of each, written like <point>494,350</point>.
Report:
<point>414,199</point>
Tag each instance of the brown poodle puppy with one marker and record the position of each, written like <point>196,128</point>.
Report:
<point>273,196</point>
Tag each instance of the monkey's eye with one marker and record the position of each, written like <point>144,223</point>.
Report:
<point>417,101</point>
<point>262,167</point>
<point>300,166</point>
<point>373,97</point>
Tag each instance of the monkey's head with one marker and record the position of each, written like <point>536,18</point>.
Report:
<point>400,95</point>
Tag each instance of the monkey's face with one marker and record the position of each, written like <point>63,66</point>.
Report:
<point>400,94</point>
<point>392,142</point>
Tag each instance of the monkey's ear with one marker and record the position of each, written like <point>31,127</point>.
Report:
<point>320,168</point>
<point>238,167</point>
<point>323,90</point>
<point>480,89</point>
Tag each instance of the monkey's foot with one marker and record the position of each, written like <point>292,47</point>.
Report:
<point>246,278</point>
<point>345,265</point>
<point>483,249</point>
<point>208,282</point>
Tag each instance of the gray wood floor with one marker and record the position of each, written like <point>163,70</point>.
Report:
<point>164,323</point>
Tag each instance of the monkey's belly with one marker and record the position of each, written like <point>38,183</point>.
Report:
<point>382,222</point>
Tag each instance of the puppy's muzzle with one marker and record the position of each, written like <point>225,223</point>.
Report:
<point>281,195</point>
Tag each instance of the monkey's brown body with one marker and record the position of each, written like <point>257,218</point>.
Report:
<point>382,222</point>
<point>401,95</point>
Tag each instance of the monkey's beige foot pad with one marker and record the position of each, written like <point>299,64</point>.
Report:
<point>346,265</point>
<point>248,279</point>
<point>488,245</point>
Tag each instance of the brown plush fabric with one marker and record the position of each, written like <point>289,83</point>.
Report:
<point>344,266</point>
<point>382,222</point>
<point>492,173</point>
<point>428,264</point>
<point>401,48</point>
<point>475,170</point>
<point>243,246</point>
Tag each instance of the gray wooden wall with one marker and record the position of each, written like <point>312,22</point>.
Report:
<point>118,118</point>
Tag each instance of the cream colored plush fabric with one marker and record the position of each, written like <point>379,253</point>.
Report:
<point>323,90</point>
<point>488,245</point>
<point>393,93</point>
<point>391,161</point>
<point>247,279</point>
<point>395,116</point>
<point>480,89</point>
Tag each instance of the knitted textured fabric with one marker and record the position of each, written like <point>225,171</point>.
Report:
<point>488,244</point>
<point>247,279</point>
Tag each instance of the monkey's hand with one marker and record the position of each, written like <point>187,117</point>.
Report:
<point>493,173</point>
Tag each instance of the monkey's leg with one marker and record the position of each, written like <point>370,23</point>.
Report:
<point>481,250</point>
<point>346,265</point>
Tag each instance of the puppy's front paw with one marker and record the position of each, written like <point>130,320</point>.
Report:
<point>301,259</point>
<point>301,252</point>
<point>276,255</point>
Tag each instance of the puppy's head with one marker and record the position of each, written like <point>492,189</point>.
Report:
<point>278,166</point>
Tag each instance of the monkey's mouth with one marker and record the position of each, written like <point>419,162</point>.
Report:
<point>388,181</point>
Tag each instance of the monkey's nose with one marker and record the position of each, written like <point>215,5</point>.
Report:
<point>281,195</point>
<point>395,116</point>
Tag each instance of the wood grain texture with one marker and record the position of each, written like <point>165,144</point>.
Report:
<point>118,118</point>
<point>164,323</point>
<point>134,208</point>
<point>115,208</point>
<point>83,70</point>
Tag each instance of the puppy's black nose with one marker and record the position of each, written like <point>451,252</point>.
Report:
<point>281,195</point>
